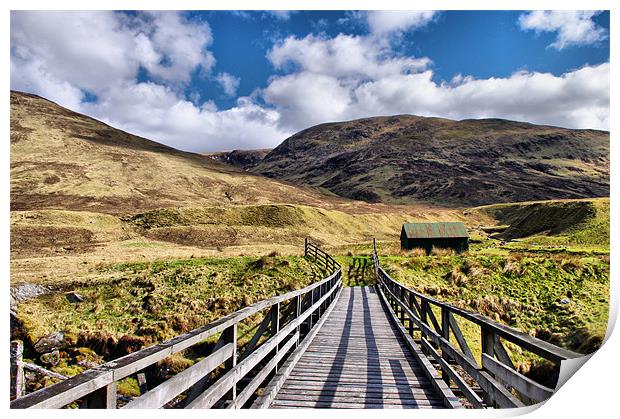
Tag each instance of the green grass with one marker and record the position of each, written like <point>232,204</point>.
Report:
<point>155,301</point>
<point>521,290</point>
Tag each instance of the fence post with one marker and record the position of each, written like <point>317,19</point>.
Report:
<point>103,398</point>
<point>488,342</point>
<point>411,324</point>
<point>18,384</point>
<point>445,333</point>
<point>297,302</point>
<point>305,247</point>
<point>229,335</point>
<point>274,312</point>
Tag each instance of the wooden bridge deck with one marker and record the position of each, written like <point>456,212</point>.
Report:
<point>358,360</point>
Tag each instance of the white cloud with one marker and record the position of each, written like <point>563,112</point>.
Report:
<point>170,47</point>
<point>282,14</point>
<point>343,56</point>
<point>88,49</point>
<point>158,113</point>
<point>386,21</point>
<point>576,99</point>
<point>307,98</point>
<point>229,83</point>
<point>349,77</point>
<point>62,55</point>
<point>572,27</point>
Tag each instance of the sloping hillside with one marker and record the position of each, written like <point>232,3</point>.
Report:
<point>405,159</point>
<point>86,193</point>
<point>64,160</point>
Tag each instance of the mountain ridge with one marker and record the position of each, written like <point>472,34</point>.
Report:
<point>405,159</point>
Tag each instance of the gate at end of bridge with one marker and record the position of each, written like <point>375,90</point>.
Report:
<point>381,346</point>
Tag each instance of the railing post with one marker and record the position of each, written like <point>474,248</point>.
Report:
<point>488,342</point>
<point>297,302</point>
<point>305,247</point>
<point>274,313</point>
<point>18,384</point>
<point>229,335</point>
<point>410,302</point>
<point>402,309</point>
<point>103,398</point>
<point>445,333</point>
<point>424,308</point>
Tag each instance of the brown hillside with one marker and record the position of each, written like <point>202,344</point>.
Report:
<point>406,159</point>
<point>61,159</point>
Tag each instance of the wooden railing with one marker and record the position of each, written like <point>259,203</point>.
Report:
<point>492,382</point>
<point>321,258</point>
<point>229,375</point>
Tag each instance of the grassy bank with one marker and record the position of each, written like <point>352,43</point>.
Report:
<point>561,298</point>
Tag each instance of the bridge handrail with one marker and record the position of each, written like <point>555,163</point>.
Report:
<point>283,326</point>
<point>415,308</point>
<point>313,251</point>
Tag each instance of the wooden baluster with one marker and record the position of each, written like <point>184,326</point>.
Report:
<point>410,302</point>
<point>445,333</point>
<point>18,383</point>
<point>488,342</point>
<point>103,398</point>
<point>274,313</point>
<point>229,335</point>
<point>402,309</point>
<point>297,302</point>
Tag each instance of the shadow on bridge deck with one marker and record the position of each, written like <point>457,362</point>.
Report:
<point>358,360</point>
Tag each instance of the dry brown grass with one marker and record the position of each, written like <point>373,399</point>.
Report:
<point>439,251</point>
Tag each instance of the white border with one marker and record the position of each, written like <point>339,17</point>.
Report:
<point>590,393</point>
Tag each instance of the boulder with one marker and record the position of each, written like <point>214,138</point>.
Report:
<point>49,343</point>
<point>74,297</point>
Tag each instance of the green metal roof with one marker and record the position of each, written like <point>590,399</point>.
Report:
<point>435,230</point>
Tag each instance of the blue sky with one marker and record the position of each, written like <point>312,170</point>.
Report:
<point>217,80</point>
<point>478,43</point>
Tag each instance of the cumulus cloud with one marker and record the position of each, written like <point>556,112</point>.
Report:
<point>386,21</point>
<point>64,55</point>
<point>228,83</point>
<point>572,27</point>
<point>349,77</point>
<point>343,56</point>
<point>69,56</point>
<point>157,112</point>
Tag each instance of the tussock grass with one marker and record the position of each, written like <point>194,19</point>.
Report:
<point>520,289</point>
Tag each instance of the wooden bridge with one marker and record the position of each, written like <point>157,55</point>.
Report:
<point>381,346</point>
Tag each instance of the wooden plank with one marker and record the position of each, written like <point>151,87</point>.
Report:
<point>174,386</point>
<point>137,361</point>
<point>319,397</point>
<point>226,382</point>
<point>301,385</point>
<point>18,382</point>
<point>65,392</point>
<point>519,382</point>
<point>262,328</point>
<point>450,400</point>
<point>351,405</point>
<point>460,339</point>
<point>276,382</point>
<point>41,370</point>
<point>502,353</point>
